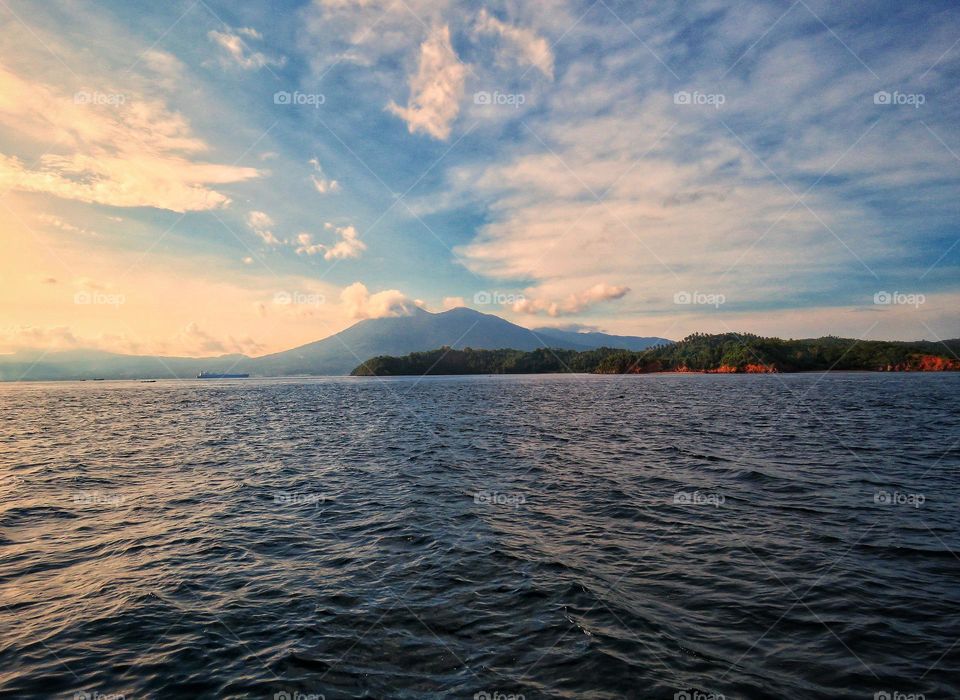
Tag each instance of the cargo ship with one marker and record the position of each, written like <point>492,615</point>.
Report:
<point>221,375</point>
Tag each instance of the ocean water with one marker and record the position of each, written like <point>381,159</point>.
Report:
<point>657,536</point>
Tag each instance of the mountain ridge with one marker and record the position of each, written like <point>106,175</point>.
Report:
<point>336,354</point>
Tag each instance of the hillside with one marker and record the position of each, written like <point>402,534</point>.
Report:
<point>723,353</point>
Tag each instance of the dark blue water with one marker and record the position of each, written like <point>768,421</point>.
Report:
<point>551,536</point>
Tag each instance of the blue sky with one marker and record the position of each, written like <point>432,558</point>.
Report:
<point>214,176</point>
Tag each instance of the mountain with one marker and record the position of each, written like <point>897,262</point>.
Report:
<point>422,330</point>
<point>336,355</point>
<point>97,364</point>
<point>556,338</point>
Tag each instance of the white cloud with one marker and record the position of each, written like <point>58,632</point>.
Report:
<point>572,303</point>
<point>239,53</point>
<point>349,245</point>
<point>522,45</point>
<point>359,303</point>
<point>261,224</point>
<point>436,89</point>
<point>322,184</point>
<point>453,303</point>
<point>108,147</point>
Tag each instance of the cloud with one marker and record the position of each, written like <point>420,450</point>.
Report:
<point>57,222</point>
<point>453,303</point>
<point>520,45</point>
<point>322,184</point>
<point>196,342</point>
<point>572,303</point>
<point>239,53</point>
<point>261,224</point>
<point>108,147</point>
<point>436,89</point>
<point>360,304</point>
<point>349,245</point>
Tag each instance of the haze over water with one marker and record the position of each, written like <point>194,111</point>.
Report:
<point>550,536</point>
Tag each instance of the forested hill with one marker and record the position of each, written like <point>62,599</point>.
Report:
<point>723,353</point>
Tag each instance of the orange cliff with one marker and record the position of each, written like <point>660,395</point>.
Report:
<point>925,363</point>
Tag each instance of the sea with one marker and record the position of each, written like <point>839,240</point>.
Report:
<point>695,537</point>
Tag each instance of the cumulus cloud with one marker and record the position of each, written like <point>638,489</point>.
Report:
<point>261,224</point>
<point>572,303</point>
<point>349,245</point>
<point>237,52</point>
<point>435,89</point>
<point>519,44</point>
<point>359,303</point>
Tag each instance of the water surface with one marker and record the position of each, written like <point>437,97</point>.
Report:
<point>551,536</point>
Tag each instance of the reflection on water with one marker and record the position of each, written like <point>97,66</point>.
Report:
<point>548,536</point>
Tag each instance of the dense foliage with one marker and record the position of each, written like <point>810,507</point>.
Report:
<point>727,352</point>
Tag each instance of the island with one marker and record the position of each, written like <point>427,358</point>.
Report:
<point>724,353</point>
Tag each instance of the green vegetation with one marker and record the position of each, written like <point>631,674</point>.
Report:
<point>727,352</point>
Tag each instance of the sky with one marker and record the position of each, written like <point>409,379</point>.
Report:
<point>198,177</point>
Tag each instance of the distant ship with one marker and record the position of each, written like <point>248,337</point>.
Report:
<point>221,375</point>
